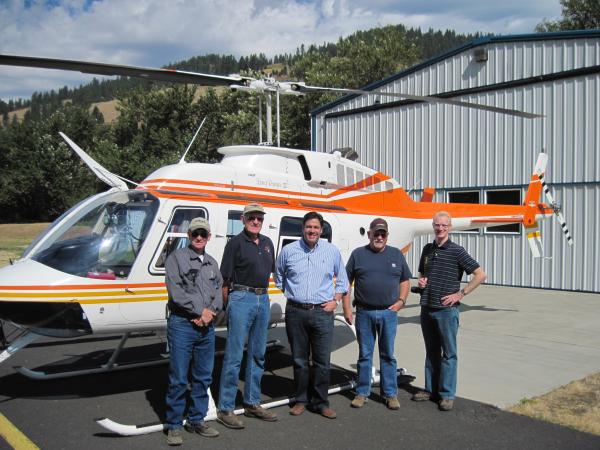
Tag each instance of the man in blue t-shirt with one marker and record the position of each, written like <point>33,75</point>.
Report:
<point>381,284</point>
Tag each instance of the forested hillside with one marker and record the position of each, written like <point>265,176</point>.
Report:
<point>40,177</point>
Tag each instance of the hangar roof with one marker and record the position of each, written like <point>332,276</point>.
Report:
<point>484,40</point>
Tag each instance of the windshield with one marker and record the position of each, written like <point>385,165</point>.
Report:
<point>103,239</point>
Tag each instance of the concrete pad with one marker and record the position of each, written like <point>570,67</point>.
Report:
<point>513,343</point>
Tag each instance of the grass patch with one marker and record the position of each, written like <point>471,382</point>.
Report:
<point>575,405</point>
<point>14,238</point>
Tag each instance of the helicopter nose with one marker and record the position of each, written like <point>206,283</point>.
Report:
<point>28,299</point>
<point>48,319</point>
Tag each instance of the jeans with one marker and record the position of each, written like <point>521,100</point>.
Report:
<point>310,332</point>
<point>382,323</point>
<point>440,327</point>
<point>188,343</point>
<point>247,315</point>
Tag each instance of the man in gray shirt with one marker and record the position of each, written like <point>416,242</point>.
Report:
<point>194,284</point>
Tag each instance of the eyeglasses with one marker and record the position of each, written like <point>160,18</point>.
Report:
<point>253,218</point>
<point>202,233</point>
<point>441,225</point>
<point>380,233</point>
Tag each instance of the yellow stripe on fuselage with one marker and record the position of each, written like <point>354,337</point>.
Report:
<point>96,297</point>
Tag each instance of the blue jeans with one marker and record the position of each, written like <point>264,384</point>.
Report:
<point>440,327</point>
<point>247,315</point>
<point>310,333</point>
<point>382,323</point>
<point>192,348</point>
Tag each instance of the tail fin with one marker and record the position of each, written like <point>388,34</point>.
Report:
<point>532,196</point>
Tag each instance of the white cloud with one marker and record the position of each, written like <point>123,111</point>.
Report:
<point>156,32</point>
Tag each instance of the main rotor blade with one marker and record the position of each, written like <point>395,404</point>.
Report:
<point>422,98</point>
<point>170,75</point>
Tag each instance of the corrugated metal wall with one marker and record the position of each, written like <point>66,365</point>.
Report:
<point>449,147</point>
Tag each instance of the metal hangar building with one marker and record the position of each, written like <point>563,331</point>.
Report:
<point>475,156</point>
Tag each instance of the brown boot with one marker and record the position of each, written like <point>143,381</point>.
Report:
<point>260,413</point>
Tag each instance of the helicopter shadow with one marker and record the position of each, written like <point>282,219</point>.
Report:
<point>464,308</point>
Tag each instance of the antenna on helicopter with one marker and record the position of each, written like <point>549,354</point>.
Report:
<point>182,160</point>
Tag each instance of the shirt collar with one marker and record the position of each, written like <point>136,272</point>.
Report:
<point>193,255</point>
<point>306,247</point>
<point>444,245</point>
<point>249,239</point>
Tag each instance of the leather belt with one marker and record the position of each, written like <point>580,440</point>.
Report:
<point>241,287</point>
<point>370,307</point>
<point>305,305</point>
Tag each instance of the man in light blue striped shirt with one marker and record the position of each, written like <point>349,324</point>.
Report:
<point>312,276</point>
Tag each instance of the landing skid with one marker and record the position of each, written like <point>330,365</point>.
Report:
<point>137,430</point>
<point>23,341</point>
<point>111,365</point>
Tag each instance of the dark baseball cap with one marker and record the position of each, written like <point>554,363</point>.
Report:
<point>379,224</point>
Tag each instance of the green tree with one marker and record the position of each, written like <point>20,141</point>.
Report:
<point>576,15</point>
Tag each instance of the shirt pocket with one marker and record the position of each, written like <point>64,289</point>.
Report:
<point>394,269</point>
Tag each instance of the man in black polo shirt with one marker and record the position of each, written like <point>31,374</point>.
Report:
<point>441,268</point>
<point>248,261</point>
<point>381,285</point>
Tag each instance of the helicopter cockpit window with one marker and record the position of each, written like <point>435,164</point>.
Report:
<point>291,231</point>
<point>103,240</point>
<point>176,235</point>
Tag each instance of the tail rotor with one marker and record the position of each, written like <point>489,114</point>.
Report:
<point>556,208</point>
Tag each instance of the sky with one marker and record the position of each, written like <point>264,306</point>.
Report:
<point>153,33</point>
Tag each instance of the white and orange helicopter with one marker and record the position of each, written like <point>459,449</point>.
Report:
<point>99,268</point>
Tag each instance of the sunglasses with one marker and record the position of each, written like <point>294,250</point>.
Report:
<point>380,234</point>
<point>202,233</point>
<point>253,218</point>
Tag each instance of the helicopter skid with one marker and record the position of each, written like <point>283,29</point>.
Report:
<point>23,341</point>
<point>110,366</point>
<point>137,430</point>
<point>41,375</point>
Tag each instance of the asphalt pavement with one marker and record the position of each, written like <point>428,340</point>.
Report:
<point>513,344</point>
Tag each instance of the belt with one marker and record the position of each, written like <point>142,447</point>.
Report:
<point>370,307</point>
<point>241,287</point>
<point>305,305</point>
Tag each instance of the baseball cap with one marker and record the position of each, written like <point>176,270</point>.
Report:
<point>253,207</point>
<point>199,223</point>
<point>379,224</point>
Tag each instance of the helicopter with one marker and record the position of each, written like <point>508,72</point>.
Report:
<point>99,267</point>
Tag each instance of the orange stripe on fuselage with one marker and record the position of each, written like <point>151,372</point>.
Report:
<point>369,181</point>
<point>80,286</point>
<point>394,203</point>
